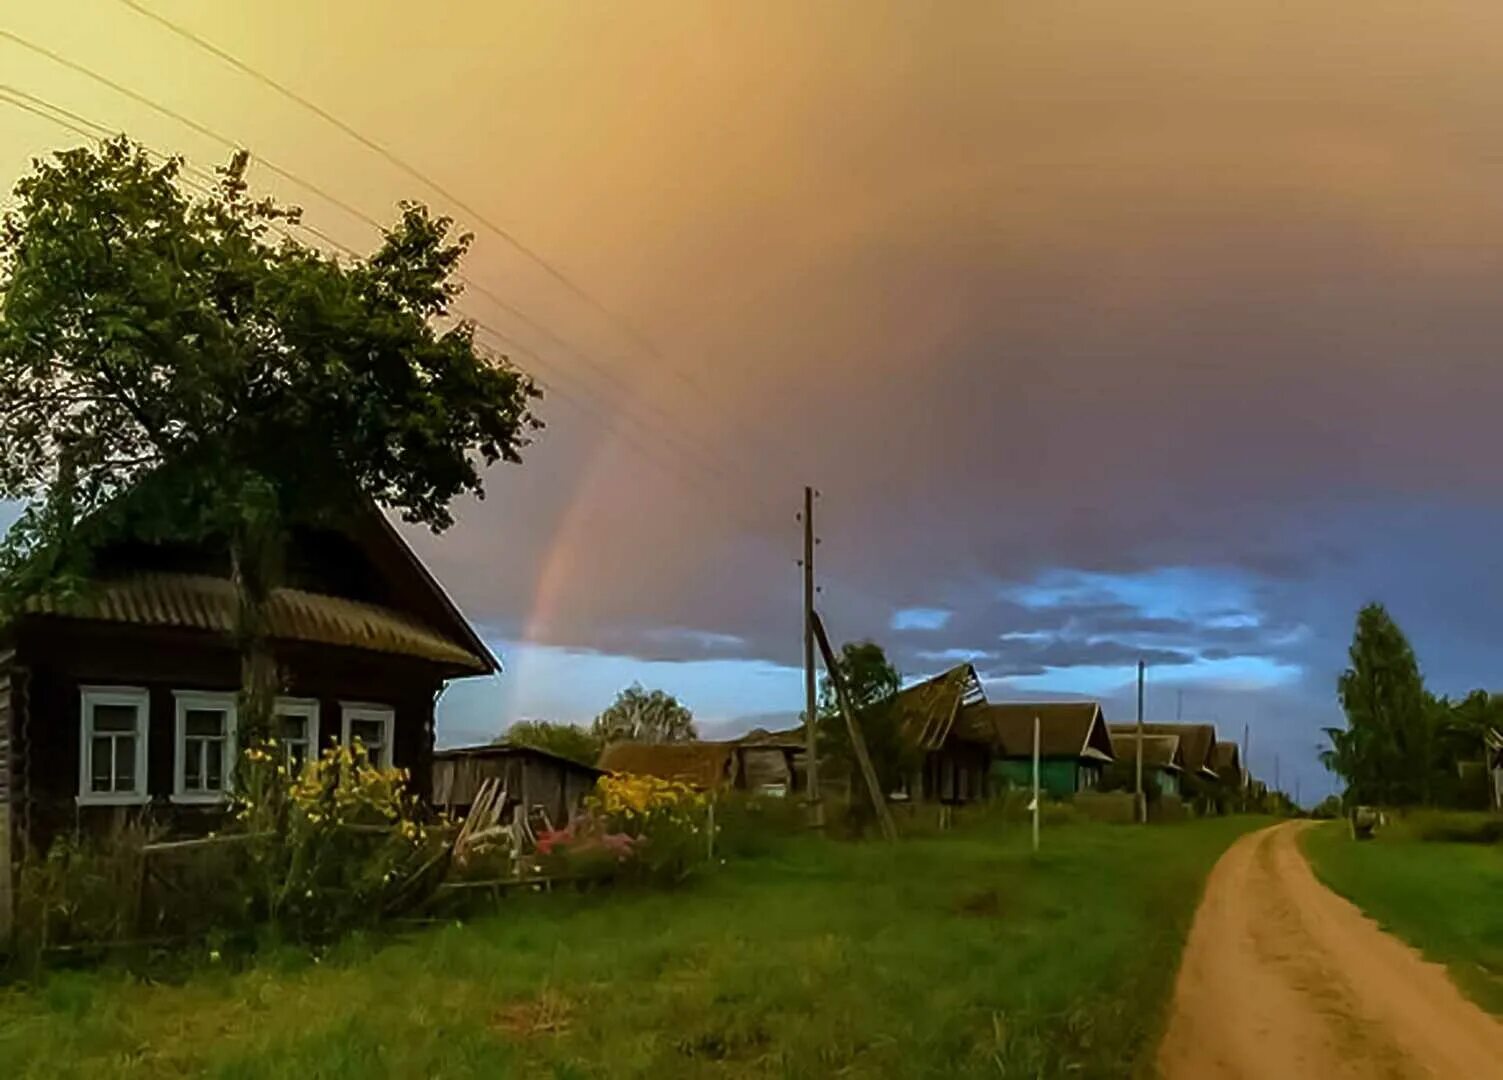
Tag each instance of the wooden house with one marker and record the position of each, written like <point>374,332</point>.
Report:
<point>1075,745</point>
<point>533,779</point>
<point>1163,763</point>
<point>1197,742</point>
<point>952,761</point>
<point>1200,784</point>
<point>121,699</point>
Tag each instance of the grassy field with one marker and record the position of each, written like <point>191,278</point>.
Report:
<point>954,956</point>
<point>1442,898</point>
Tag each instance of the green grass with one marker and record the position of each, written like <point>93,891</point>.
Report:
<point>1442,898</point>
<point>953,956</point>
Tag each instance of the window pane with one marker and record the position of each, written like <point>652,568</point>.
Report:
<point>193,765</point>
<point>99,764</point>
<point>370,732</point>
<point>114,718</point>
<point>292,727</point>
<point>214,751</point>
<point>204,722</point>
<point>125,762</point>
<point>297,754</point>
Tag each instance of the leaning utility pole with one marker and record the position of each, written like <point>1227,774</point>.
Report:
<point>853,728</point>
<point>1140,806</point>
<point>811,739</point>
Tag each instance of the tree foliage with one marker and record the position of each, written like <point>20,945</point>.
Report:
<point>639,715</point>
<point>871,682</point>
<point>566,740</point>
<point>1401,744</point>
<point>150,334</point>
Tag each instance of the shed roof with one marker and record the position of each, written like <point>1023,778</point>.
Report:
<point>511,749</point>
<point>202,602</point>
<point>1071,729</point>
<point>700,764</point>
<point>1159,751</point>
<point>1197,742</point>
<point>927,710</point>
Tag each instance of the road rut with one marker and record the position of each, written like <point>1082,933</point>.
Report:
<point>1282,978</point>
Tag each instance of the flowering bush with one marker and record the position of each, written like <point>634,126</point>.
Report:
<point>633,825</point>
<point>337,846</point>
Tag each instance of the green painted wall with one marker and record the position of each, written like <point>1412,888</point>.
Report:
<point>1057,776</point>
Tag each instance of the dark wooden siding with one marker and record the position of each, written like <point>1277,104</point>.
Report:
<point>64,656</point>
<point>529,780</point>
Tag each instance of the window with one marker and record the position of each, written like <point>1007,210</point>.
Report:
<point>205,746</point>
<point>372,725</point>
<point>112,750</point>
<point>296,726</point>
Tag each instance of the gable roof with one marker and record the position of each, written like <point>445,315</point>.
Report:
<point>1067,729</point>
<point>1159,751</point>
<point>145,583</point>
<point>704,765</point>
<point>201,602</point>
<point>1227,756</point>
<point>1197,741</point>
<point>927,710</point>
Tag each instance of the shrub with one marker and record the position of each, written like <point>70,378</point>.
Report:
<point>633,826</point>
<point>83,891</point>
<point>336,848</point>
<point>1455,827</point>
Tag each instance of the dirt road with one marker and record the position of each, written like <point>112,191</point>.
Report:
<point>1284,979</point>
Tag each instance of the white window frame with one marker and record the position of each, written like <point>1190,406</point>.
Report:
<point>188,700</point>
<point>306,708</point>
<point>350,711</point>
<point>134,697</point>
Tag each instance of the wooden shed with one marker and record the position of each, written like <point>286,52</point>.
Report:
<point>532,778</point>
<point>1074,743</point>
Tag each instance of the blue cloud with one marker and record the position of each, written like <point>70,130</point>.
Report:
<point>920,618</point>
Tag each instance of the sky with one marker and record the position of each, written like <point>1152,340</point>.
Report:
<point>1162,330</point>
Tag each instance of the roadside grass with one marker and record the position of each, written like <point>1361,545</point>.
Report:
<point>1442,898</point>
<point>959,955</point>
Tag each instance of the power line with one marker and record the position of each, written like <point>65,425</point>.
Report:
<point>668,432</point>
<point>90,129</point>
<point>402,164</point>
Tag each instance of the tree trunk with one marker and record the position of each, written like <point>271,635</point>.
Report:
<point>255,560</point>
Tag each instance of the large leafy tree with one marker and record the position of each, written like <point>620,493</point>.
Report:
<point>566,740</point>
<point>650,716</point>
<point>1387,751</point>
<point>183,348</point>
<point>871,684</point>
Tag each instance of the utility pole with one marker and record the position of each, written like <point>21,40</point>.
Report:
<point>1276,786</point>
<point>1035,806</point>
<point>1246,764</point>
<point>811,740</point>
<point>853,728</point>
<point>1179,706</point>
<point>1140,806</point>
<point>1296,792</point>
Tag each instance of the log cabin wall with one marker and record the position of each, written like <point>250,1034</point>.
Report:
<point>64,657</point>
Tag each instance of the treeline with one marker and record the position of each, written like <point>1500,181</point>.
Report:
<point>1403,745</point>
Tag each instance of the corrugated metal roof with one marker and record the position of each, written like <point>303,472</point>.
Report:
<point>200,602</point>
